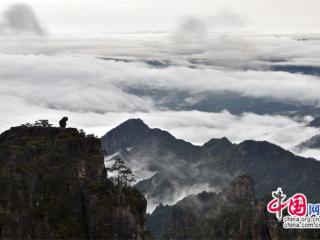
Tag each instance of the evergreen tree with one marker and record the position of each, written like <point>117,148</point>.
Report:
<point>124,175</point>
<point>42,123</point>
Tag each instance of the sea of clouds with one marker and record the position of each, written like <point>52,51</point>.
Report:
<point>89,78</point>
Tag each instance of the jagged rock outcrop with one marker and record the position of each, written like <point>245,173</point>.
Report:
<point>54,186</point>
<point>234,213</point>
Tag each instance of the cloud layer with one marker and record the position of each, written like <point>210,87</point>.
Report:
<point>91,80</point>
<point>20,18</point>
<point>85,83</point>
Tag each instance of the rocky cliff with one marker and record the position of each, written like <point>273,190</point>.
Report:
<point>234,213</point>
<point>54,185</point>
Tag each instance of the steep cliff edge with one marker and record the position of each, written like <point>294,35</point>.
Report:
<point>54,185</point>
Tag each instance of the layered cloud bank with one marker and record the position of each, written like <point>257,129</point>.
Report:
<point>89,84</point>
<point>99,82</point>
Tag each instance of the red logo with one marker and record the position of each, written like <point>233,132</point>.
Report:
<point>296,205</point>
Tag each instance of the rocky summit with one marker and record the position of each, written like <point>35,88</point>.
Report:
<point>54,186</point>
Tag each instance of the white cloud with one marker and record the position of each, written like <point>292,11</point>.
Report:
<point>194,126</point>
<point>49,78</point>
<point>84,83</point>
<point>20,18</point>
<point>148,15</point>
<point>179,194</point>
<point>66,83</point>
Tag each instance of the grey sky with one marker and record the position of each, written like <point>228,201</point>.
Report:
<point>99,16</point>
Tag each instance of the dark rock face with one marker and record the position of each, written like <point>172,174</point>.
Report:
<point>233,213</point>
<point>179,165</point>
<point>313,143</point>
<point>53,185</point>
<point>315,123</point>
<point>135,132</point>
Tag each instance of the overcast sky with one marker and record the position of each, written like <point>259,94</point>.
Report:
<point>100,16</point>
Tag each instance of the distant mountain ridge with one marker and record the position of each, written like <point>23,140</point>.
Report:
<point>178,165</point>
<point>220,101</point>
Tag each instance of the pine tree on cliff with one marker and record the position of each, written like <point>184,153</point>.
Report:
<point>40,123</point>
<point>128,176</point>
<point>124,174</point>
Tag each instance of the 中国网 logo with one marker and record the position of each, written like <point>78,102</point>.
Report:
<point>301,214</point>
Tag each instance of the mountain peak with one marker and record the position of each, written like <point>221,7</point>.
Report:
<point>125,135</point>
<point>216,141</point>
<point>262,146</point>
<point>216,146</point>
<point>133,123</point>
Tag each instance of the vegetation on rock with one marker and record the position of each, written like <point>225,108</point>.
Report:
<point>53,186</point>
